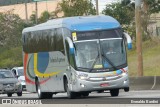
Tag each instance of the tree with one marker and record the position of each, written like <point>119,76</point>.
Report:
<point>44,16</point>
<point>10,29</point>
<point>33,17</point>
<point>11,26</point>
<point>153,6</point>
<point>148,7</point>
<point>77,7</point>
<point>124,14</point>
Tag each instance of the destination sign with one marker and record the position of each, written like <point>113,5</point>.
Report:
<point>114,33</point>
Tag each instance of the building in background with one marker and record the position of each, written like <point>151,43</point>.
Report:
<point>19,9</point>
<point>154,25</point>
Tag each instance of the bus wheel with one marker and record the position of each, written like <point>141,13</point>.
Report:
<point>70,94</point>
<point>114,92</point>
<point>85,94</point>
<point>9,94</point>
<point>39,92</point>
<point>126,89</point>
<point>48,95</point>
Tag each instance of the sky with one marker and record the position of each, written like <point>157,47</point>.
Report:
<point>102,3</point>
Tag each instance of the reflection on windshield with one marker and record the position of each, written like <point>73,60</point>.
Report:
<point>86,53</point>
<point>100,50</point>
<point>114,51</point>
<point>112,54</point>
<point>6,74</point>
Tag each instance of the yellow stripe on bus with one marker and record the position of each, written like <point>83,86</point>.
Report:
<point>39,74</point>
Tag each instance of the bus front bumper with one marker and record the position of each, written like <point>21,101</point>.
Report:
<point>85,85</point>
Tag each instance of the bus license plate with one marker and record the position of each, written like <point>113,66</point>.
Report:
<point>104,85</point>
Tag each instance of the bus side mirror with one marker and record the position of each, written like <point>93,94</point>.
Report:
<point>129,41</point>
<point>71,46</point>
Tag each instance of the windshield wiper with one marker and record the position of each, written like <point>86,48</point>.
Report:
<point>104,56</point>
<point>109,62</point>
<point>8,77</point>
<point>94,63</point>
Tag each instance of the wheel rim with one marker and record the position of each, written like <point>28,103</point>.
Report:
<point>39,91</point>
<point>68,92</point>
<point>67,89</point>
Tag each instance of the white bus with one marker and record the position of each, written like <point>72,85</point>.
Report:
<point>76,55</point>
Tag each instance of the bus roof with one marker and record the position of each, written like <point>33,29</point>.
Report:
<point>78,23</point>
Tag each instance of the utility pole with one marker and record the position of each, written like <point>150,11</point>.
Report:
<point>26,12</point>
<point>139,37</point>
<point>36,12</point>
<point>97,10</point>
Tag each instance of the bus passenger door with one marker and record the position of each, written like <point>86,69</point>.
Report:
<point>71,60</point>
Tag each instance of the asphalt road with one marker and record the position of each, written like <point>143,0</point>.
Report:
<point>96,98</point>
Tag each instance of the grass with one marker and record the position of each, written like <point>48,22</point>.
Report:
<point>10,57</point>
<point>151,59</point>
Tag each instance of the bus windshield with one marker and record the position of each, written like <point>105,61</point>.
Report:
<point>113,50</point>
<point>86,53</point>
<point>100,52</point>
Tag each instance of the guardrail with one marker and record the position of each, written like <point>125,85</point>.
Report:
<point>145,83</point>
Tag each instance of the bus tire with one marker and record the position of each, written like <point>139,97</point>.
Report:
<point>70,94</point>
<point>38,90</point>
<point>100,91</point>
<point>85,94</point>
<point>9,94</point>
<point>126,89</point>
<point>114,92</point>
<point>48,95</point>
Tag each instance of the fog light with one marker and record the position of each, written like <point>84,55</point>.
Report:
<point>125,81</point>
<point>82,85</point>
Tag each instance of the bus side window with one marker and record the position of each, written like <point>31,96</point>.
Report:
<point>59,40</point>
<point>52,40</point>
<point>67,50</point>
<point>24,42</point>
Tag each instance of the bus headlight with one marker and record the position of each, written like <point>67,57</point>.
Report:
<point>83,76</point>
